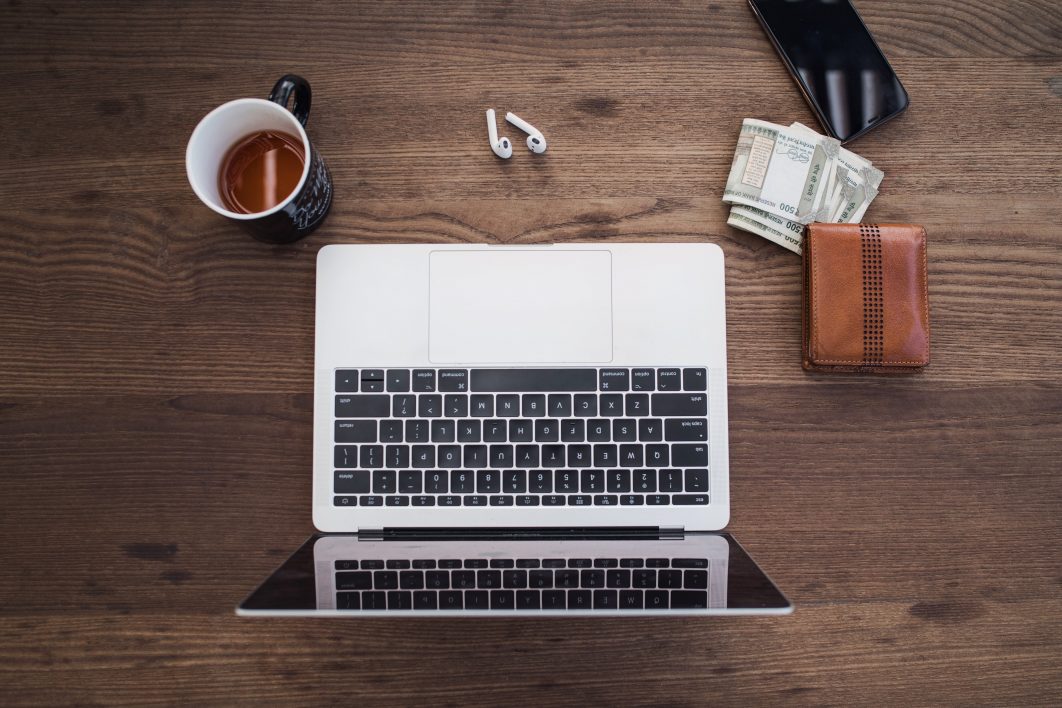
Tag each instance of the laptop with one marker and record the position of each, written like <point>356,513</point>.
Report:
<point>536,430</point>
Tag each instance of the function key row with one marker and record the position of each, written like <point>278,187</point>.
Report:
<point>479,500</point>
<point>519,380</point>
<point>519,481</point>
<point>455,563</point>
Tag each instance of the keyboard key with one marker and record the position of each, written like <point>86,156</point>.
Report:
<point>391,431</point>
<point>644,481</point>
<point>553,500</point>
<point>689,599</point>
<point>579,600</point>
<point>410,481</point>
<point>585,406</point>
<point>476,562</point>
<point>462,482</point>
<point>449,456</point>
<point>540,579</point>
<point>689,562</point>
<point>487,579</point>
<point>579,455</point>
<point>606,563</point>
<point>606,500</point>
<point>385,580</point>
<point>346,565</point>
<point>476,456</point>
<point>373,601</point>
<point>423,563</point>
<point>423,500</point>
<point>348,601</point>
<point>631,456</point>
<point>372,564</point>
<point>423,456</point>
<point>683,455</point>
<point>670,480</point>
<point>355,431</point>
<point>553,456</point>
<point>424,380</point>
<point>363,406</point>
<point>566,481</point>
<point>637,404</point>
<point>619,481</point>
<point>404,405</point>
<point>372,386</point>
<point>656,599</point>
<point>351,482</point>
<point>554,600</point>
<point>463,579</point>
<point>630,599</point>
<point>580,500</point>
<point>611,404</point>
<point>540,482</point>
<point>680,404</point>
<point>598,430</point>
<point>573,431</point>
<point>475,500</point>
<point>559,404</point>
<point>449,563</point>
<point>452,600</point>
<point>482,406</point>
<point>477,600</point>
<point>592,481</point>
<point>397,380</point>
<point>605,455</point>
<point>620,578</point>
<point>514,482</point>
<point>383,482</point>
<point>488,481</point>
<point>643,578</point>
<point>469,431</point>
<point>526,456</point>
<point>650,430</point>
<point>443,431</point>
<point>396,501</point>
<point>695,579</point>
<point>453,380</point>
<point>632,500</point>
<point>547,430</point>
<point>592,578</point>
<point>615,380</point>
<point>494,431</point>
<point>533,380</point>
<point>527,563</point>
<point>643,380</point>
<point>346,381</point>
<point>533,406</point>
<point>606,600</point>
<point>669,380</point>
<point>694,380</point>
<point>501,456</point>
<point>437,579</point>
<point>425,600</point>
<point>690,499</point>
<point>624,430</point>
<point>528,600</point>
<point>455,405</point>
<point>429,405</point>
<point>399,600</point>
<point>502,600</point>
<point>657,455</point>
<point>417,431</point>
<point>696,480</point>
<point>669,578</point>
<point>397,456</point>
<point>631,562</point>
<point>502,563</point>
<point>374,500</point>
<point>554,563</point>
<point>411,580</point>
<point>507,405</point>
<point>566,579</point>
<point>515,579</point>
<point>521,430</point>
<point>686,429</point>
<point>357,580</point>
<point>657,500</point>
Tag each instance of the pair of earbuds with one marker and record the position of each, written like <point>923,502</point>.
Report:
<point>536,142</point>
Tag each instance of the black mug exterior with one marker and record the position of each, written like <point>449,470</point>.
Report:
<point>306,210</point>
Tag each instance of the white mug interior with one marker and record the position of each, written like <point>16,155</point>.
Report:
<point>222,128</point>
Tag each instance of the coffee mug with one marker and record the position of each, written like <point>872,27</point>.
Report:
<point>305,208</point>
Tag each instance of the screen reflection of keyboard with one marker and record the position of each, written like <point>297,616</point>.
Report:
<point>521,437</point>
<point>522,584</point>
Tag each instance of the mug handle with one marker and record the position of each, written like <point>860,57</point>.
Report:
<point>282,92</point>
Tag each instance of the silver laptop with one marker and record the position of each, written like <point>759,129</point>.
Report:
<point>528,429</point>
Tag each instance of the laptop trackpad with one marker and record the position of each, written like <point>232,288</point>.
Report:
<point>533,306</point>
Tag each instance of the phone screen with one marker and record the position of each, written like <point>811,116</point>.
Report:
<point>829,50</point>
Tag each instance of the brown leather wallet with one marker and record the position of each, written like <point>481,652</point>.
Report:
<point>866,298</point>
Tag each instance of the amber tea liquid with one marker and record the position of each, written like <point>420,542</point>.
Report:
<point>260,171</point>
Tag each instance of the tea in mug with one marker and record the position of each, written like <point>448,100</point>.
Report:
<point>261,171</point>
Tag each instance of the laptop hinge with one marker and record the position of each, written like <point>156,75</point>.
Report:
<point>521,533</point>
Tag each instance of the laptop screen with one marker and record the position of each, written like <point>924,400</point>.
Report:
<point>349,575</point>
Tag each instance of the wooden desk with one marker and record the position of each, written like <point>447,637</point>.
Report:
<point>156,363</point>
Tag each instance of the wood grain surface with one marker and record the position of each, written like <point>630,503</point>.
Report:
<point>156,363</point>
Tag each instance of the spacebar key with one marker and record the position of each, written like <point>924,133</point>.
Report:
<point>519,380</point>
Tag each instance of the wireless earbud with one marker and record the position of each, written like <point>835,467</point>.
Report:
<point>501,146</point>
<point>536,142</point>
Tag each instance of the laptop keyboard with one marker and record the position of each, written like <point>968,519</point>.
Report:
<point>522,584</point>
<point>521,437</point>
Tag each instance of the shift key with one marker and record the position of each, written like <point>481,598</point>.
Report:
<point>691,404</point>
<point>363,406</point>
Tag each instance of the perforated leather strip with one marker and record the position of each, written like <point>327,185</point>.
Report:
<point>873,296</point>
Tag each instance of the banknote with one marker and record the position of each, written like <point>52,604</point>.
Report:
<point>784,177</point>
<point>780,170</point>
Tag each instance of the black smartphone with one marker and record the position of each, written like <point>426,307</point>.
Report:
<point>836,63</point>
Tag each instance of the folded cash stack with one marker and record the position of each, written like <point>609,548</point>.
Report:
<point>784,178</point>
